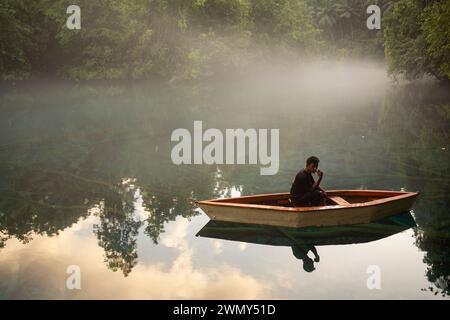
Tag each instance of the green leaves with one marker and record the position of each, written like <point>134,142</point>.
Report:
<point>417,39</point>
<point>14,39</point>
<point>133,40</point>
<point>436,29</point>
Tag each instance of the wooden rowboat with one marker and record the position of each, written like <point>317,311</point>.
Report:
<point>343,207</point>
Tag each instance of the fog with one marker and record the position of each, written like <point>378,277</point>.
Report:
<point>320,81</point>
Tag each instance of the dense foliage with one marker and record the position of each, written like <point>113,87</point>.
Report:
<point>191,39</point>
<point>417,38</point>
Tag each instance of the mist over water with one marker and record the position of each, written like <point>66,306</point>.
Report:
<point>313,83</point>
<point>86,173</point>
<point>88,166</point>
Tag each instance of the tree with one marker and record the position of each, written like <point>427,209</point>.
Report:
<point>417,39</point>
<point>404,43</point>
<point>326,15</point>
<point>14,39</point>
<point>436,28</point>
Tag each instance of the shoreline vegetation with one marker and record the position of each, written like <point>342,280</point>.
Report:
<point>182,41</point>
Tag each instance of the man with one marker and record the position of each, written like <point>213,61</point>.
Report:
<point>304,190</point>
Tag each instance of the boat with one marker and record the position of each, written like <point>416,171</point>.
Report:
<point>316,236</point>
<point>342,207</point>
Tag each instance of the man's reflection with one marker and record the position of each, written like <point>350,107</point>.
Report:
<point>300,251</point>
<point>303,240</point>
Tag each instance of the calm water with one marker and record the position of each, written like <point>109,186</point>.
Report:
<point>87,180</point>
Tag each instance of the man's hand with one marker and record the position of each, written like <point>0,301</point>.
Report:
<point>320,173</point>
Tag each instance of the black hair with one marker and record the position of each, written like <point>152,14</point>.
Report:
<point>312,159</point>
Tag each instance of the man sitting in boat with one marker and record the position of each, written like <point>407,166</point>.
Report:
<point>304,190</point>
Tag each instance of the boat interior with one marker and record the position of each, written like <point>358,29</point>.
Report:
<point>341,198</point>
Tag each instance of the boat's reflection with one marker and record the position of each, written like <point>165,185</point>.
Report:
<point>304,240</point>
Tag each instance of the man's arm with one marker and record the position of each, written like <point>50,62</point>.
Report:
<point>316,255</point>
<point>316,185</point>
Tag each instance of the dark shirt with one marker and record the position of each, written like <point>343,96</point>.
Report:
<point>301,184</point>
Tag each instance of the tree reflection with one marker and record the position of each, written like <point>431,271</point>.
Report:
<point>433,238</point>
<point>59,164</point>
<point>118,230</point>
<point>34,202</point>
<point>437,257</point>
<point>165,201</point>
<point>65,150</point>
<point>421,117</point>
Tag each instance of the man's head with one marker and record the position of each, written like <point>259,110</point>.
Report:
<point>308,265</point>
<point>312,164</point>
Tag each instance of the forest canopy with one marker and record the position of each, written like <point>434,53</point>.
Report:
<point>193,39</point>
<point>417,38</point>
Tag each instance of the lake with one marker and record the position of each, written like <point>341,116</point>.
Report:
<point>87,180</point>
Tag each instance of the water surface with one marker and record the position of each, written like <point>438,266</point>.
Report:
<point>87,180</point>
